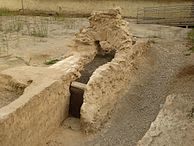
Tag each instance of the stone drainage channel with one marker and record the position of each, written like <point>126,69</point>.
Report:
<point>77,87</point>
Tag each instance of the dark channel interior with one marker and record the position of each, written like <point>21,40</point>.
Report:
<point>101,58</point>
<point>76,98</point>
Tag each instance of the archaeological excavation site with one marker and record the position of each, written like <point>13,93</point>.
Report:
<point>104,78</point>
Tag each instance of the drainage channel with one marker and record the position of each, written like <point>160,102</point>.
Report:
<point>76,98</point>
<point>98,61</point>
<point>77,88</point>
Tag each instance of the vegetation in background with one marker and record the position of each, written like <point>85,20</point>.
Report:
<point>40,30</point>
<point>4,47</point>
<point>191,35</point>
<point>15,25</point>
<point>12,27</point>
<point>1,25</point>
<point>6,12</point>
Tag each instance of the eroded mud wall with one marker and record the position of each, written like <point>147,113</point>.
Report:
<point>43,105</point>
<point>107,83</point>
<point>35,114</point>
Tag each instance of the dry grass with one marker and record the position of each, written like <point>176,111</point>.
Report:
<point>191,38</point>
<point>5,12</point>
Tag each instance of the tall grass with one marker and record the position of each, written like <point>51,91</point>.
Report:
<point>4,46</point>
<point>15,25</point>
<point>39,30</point>
<point>12,27</point>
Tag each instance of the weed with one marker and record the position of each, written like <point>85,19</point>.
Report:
<point>14,26</point>
<point>69,23</point>
<point>191,49</point>
<point>51,61</point>
<point>191,43</point>
<point>39,30</point>
<point>17,26</point>
<point>22,59</point>
<point>5,12</point>
<point>191,35</point>
<point>1,26</point>
<point>5,44</point>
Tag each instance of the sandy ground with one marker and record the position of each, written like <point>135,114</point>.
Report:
<point>153,81</point>
<point>19,48</point>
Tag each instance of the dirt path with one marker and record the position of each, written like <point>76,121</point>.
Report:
<point>174,125</point>
<point>152,83</point>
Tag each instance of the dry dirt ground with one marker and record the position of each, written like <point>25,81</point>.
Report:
<point>21,44</point>
<point>161,67</point>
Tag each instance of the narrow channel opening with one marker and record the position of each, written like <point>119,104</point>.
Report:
<point>100,59</point>
<point>77,88</point>
<point>76,98</point>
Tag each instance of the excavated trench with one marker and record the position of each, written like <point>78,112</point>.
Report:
<point>9,90</point>
<point>77,88</point>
